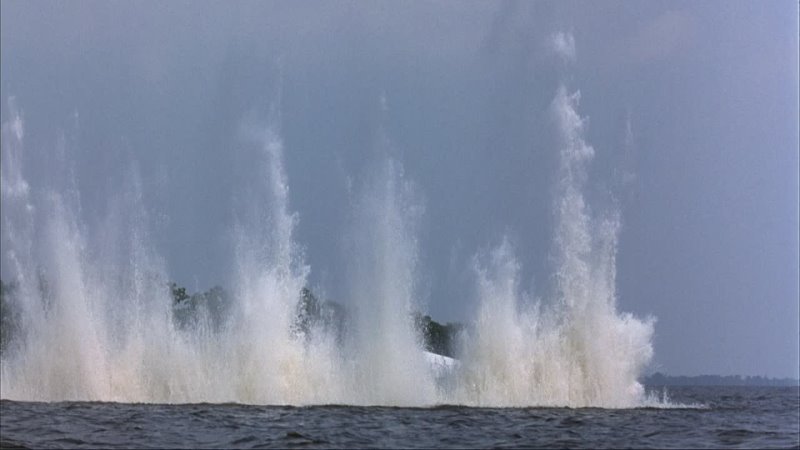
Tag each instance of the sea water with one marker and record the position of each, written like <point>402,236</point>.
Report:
<point>722,417</point>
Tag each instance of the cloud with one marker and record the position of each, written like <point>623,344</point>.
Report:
<point>563,45</point>
<point>628,162</point>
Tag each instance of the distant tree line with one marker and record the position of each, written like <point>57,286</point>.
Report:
<point>312,316</point>
<point>660,379</point>
<point>9,314</point>
<point>189,309</point>
<point>438,338</point>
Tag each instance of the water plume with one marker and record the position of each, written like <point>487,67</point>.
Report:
<point>96,320</point>
<point>575,350</point>
<point>272,364</point>
<point>385,348</point>
<point>70,287</point>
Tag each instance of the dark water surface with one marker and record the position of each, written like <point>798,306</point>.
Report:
<point>732,417</point>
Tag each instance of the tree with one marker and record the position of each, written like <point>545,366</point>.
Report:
<point>178,293</point>
<point>9,314</point>
<point>437,338</point>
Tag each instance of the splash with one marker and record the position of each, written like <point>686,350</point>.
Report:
<point>95,321</point>
<point>577,350</point>
<point>83,310</point>
<point>386,351</point>
<point>95,317</point>
<point>267,361</point>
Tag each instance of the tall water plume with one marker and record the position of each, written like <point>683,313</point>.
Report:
<point>385,350</point>
<point>94,317</point>
<point>609,349</point>
<point>270,361</point>
<point>96,321</point>
<point>83,304</point>
<point>574,350</point>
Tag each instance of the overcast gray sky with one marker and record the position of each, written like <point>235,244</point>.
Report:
<point>692,110</point>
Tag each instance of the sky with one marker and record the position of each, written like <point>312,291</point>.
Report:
<point>691,107</point>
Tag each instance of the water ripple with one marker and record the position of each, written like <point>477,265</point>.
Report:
<point>749,417</point>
